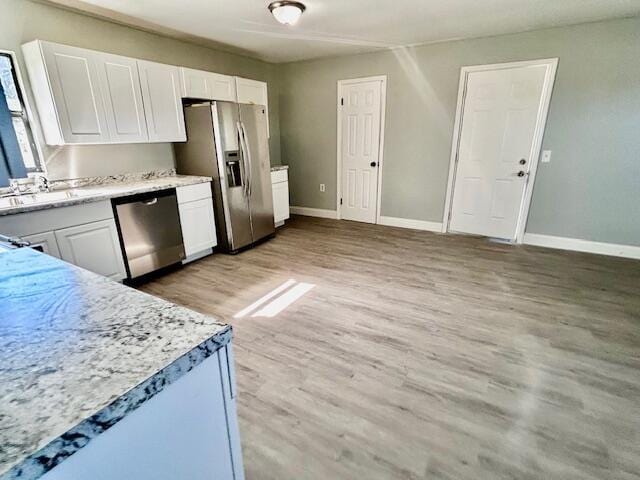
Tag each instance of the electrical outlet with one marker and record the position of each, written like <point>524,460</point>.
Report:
<point>546,156</point>
<point>322,187</point>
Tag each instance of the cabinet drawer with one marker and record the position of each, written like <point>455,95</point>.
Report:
<point>191,193</point>
<point>279,176</point>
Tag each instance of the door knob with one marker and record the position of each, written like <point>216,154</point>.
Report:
<point>523,161</point>
<point>521,173</point>
<point>373,164</point>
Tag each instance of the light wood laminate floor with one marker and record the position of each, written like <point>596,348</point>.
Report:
<point>418,355</point>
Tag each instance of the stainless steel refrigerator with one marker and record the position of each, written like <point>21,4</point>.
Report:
<point>228,142</point>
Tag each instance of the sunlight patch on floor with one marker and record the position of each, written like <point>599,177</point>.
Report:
<point>278,301</point>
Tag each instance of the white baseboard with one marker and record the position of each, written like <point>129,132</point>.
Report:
<point>408,223</point>
<point>579,245</point>
<point>314,212</point>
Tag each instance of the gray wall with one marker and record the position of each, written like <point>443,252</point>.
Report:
<point>591,188</point>
<point>22,21</point>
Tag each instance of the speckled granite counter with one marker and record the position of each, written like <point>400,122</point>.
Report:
<point>78,353</point>
<point>96,192</point>
<point>276,168</point>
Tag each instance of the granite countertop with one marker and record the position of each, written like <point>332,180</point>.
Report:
<point>78,352</point>
<point>103,191</point>
<point>275,168</point>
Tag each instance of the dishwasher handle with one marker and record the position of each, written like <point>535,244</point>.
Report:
<point>151,201</point>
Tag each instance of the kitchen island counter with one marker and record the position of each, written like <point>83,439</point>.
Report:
<point>78,353</point>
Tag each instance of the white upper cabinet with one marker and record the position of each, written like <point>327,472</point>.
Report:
<point>66,87</point>
<point>120,84</point>
<point>253,91</point>
<point>207,85</point>
<point>161,94</point>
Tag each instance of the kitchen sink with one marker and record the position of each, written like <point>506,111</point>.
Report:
<point>35,198</point>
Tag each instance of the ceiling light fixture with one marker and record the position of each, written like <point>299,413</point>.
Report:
<point>287,12</point>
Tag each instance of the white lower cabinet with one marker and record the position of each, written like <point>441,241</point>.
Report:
<point>280,188</point>
<point>197,220</point>
<point>187,431</point>
<point>84,235</point>
<point>93,246</point>
<point>280,202</point>
<point>44,242</point>
<point>198,226</point>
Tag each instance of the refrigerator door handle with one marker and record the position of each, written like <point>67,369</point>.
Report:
<point>243,155</point>
<point>248,152</point>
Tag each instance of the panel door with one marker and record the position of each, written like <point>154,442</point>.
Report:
<point>253,119</point>
<point>280,201</point>
<point>207,85</point>
<point>198,226</point>
<point>253,92</point>
<point>75,85</point>
<point>498,125</point>
<point>93,246</point>
<point>162,97</point>
<point>44,242</point>
<point>360,150</point>
<point>122,94</point>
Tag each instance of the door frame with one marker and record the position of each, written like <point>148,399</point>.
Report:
<point>547,90</point>
<point>383,107</point>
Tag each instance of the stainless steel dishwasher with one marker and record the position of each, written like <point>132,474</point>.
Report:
<point>150,232</point>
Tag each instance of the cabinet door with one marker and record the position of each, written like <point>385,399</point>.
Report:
<point>253,91</point>
<point>207,85</point>
<point>223,87</point>
<point>198,226</point>
<point>161,94</point>
<point>73,79</point>
<point>93,246</point>
<point>45,242</point>
<point>122,95</point>
<point>280,201</point>
<point>195,84</point>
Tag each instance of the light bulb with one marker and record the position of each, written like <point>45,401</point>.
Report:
<point>286,12</point>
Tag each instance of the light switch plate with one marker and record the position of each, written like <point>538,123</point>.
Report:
<point>322,187</point>
<point>546,156</point>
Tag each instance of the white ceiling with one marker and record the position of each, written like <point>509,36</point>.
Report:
<point>337,27</point>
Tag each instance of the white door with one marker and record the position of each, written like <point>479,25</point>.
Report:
<point>122,95</point>
<point>44,242</point>
<point>75,86</point>
<point>93,246</point>
<point>360,114</point>
<point>162,97</point>
<point>498,129</point>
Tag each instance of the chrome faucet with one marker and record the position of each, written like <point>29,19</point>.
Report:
<point>42,183</point>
